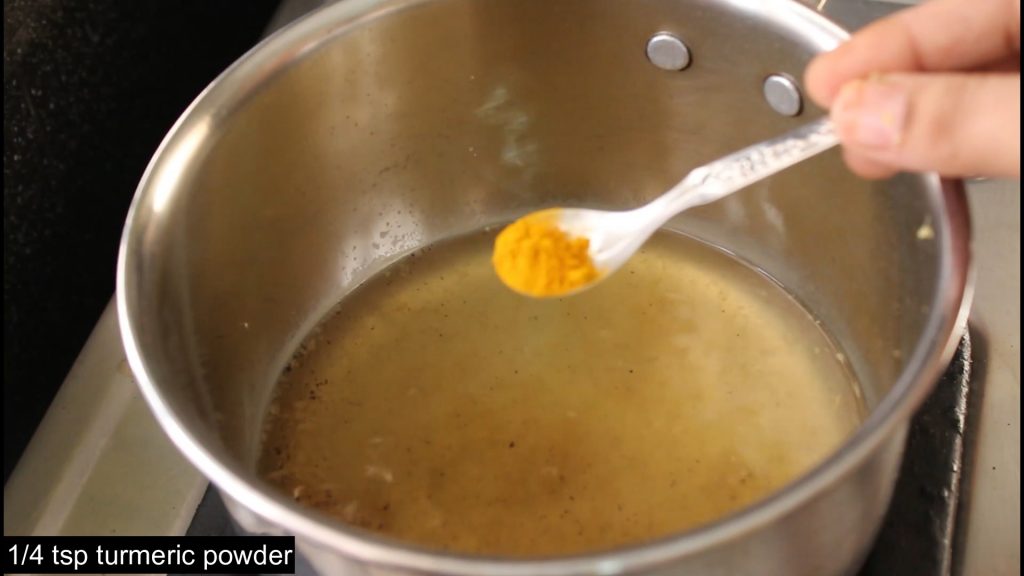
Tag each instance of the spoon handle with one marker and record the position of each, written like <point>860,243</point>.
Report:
<point>741,169</point>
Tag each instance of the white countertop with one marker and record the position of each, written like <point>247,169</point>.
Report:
<point>993,537</point>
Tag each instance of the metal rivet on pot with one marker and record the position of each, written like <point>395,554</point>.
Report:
<point>668,52</point>
<point>783,95</point>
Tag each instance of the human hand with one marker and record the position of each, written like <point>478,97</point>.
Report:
<point>931,88</point>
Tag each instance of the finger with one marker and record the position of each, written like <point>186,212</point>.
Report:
<point>938,35</point>
<point>1011,64</point>
<point>955,124</point>
<point>866,167</point>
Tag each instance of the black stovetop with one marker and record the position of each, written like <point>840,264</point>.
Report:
<point>920,535</point>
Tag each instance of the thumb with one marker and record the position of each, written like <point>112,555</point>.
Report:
<point>954,124</point>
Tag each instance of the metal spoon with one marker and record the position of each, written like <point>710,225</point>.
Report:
<point>616,236</point>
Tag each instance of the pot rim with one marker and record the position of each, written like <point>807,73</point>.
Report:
<point>946,320</point>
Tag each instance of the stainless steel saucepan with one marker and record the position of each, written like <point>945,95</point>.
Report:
<point>428,118</point>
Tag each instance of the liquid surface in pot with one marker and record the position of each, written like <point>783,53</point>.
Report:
<point>436,406</point>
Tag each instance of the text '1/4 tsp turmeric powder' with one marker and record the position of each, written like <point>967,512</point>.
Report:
<point>533,256</point>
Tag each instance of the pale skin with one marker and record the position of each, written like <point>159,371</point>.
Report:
<point>931,88</point>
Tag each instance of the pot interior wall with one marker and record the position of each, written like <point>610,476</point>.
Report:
<point>447,116</point>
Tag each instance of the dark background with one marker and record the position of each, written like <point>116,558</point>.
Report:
<point>90,89</point>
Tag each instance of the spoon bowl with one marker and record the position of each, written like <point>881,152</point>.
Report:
<point>614,236</point>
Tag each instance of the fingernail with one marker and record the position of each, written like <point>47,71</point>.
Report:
<point>871,112</point>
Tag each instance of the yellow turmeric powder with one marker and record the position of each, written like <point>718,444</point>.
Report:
<point>534,257</point>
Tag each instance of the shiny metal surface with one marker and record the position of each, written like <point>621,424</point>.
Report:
<point>371,128</point>
<point>783,95</point>
<point>668,52</point>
